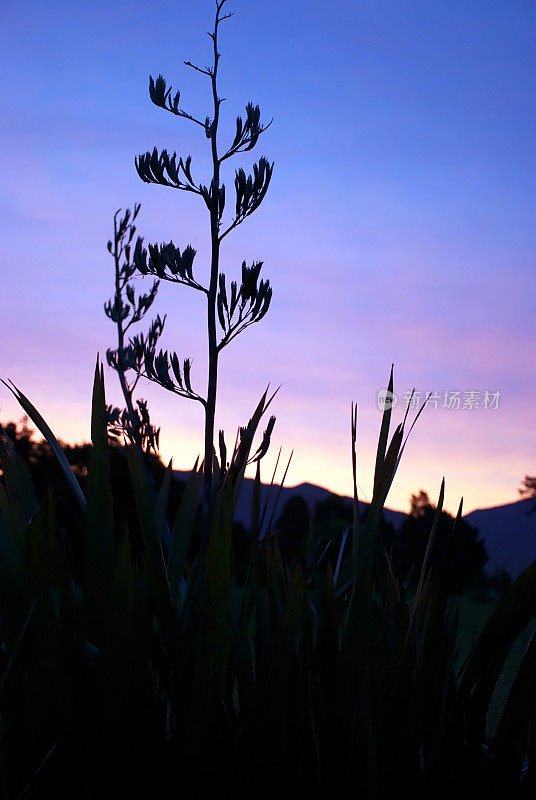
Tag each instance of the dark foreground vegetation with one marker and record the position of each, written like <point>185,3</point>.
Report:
<point>136,662</point>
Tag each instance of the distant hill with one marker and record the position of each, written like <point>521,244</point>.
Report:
<point>509,533</point>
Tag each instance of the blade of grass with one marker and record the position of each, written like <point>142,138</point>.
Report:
<point>269,528</point>
<point>183,529</point>
<point>16,648</point>
<point>427,556</point>
<point>384,435</point>
<point>265,507</point>
<point>355,506</point>
<point>162,499</point>
<point>42,426</point>
<point>99,544</point>
<point>156,570</point>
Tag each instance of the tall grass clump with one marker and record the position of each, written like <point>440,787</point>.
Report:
<point>139,661</point>
<point>135,667</point>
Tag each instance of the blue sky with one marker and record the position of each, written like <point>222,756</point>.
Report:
<point>399,226</point>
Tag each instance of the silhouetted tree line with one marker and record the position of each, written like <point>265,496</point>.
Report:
<point>528,486</point>
<point>528,491</point>
<point>458,548</point>
<point>48,479</point>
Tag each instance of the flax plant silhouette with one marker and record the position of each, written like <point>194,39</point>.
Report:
<point>126,309</point>
<point>233,306</point>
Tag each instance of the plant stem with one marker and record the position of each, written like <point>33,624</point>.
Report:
<point>127,392</point>
<point>210,408</point>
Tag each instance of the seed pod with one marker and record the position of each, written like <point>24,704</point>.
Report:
<point>187,370</point>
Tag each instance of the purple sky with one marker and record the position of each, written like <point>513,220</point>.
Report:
<point>399,225</point>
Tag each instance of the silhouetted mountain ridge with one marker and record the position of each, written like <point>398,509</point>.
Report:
<point>509,533</point>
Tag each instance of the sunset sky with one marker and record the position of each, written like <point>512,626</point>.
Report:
<point>400,224</point>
